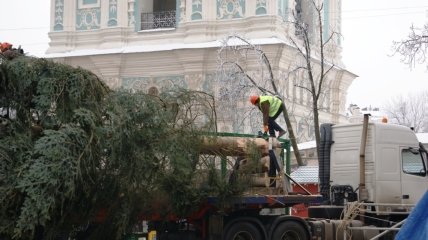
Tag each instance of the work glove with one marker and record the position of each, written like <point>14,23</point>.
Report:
<point>265,128</point>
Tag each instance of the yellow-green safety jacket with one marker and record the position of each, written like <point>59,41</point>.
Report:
<point>274,104</point>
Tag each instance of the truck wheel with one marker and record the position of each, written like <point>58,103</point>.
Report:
<point>290,231</point>
<point>243,231</point>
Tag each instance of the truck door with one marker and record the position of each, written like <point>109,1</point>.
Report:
<point>414,180</point>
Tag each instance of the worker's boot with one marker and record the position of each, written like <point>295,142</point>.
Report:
<point>281,133</point>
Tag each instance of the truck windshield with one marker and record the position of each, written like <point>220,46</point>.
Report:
<point>413,162</point>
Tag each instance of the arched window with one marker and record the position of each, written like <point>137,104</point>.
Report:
<point>153,91</point>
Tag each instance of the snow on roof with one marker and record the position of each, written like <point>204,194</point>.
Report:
<point>305,174</point>
<point>307,145</point>
<point>422,137</point>
<point>162,47</point>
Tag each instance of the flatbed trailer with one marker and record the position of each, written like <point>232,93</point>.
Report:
<point>259,213</point>
<point>272,201</point>
<point>246,217</point>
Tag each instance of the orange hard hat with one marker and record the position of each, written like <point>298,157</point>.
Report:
<point>253,99</point>
<point>384,119</point>
<point>5,46</point>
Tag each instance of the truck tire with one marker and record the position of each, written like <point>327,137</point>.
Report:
<point>243,231</point>
<point>290,230</point>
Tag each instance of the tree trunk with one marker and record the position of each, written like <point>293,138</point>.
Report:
<point>317,127</point>
<point>292,137</point>
<point>236,146</point>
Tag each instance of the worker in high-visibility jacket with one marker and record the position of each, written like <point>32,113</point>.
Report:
<point>271,107</point>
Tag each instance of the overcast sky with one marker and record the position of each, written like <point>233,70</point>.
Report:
<point>368,29</point>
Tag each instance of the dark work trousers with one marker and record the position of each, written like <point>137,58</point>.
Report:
<point>273,126</point>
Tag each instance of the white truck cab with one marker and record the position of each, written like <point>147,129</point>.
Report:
<point>395,162</point>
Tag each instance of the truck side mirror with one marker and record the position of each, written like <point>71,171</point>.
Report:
<point>414,150</point>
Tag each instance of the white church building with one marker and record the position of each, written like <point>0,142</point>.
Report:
<point>153,45</point>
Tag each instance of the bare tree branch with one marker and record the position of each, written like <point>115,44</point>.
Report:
<point>409,111</point>
<point>313,65</point>
<point>414,48</point>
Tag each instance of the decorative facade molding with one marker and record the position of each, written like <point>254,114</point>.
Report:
<point>112,13</point>
<point>261,8</point>
<point>283,10</point>
<point>88,18</point>
<point>181,11</point>
<point>196,9</point>
<point>131,13</point>
<point>228,9</point>
<point>59,15</point>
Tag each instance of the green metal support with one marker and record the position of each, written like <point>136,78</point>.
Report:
<point>287,163</point>
<point>285,144</point>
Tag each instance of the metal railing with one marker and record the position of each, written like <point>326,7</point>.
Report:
<point>156,20</point>
<point>360,209</point>
<point>384,230</point>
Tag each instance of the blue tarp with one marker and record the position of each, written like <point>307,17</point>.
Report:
<point>416,225</point>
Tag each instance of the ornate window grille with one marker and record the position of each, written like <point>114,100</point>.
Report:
<point>155,20</point>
